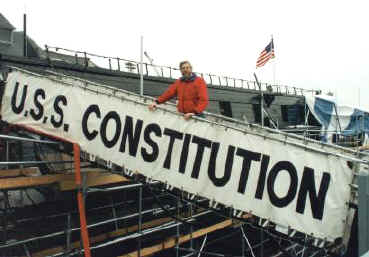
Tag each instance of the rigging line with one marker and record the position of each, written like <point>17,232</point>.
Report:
<point>303,249</point>
<point>168,212</point>
<point>29,197</point>
<point>244,236</point>
<point>270,233</point>
<point>203,244</point>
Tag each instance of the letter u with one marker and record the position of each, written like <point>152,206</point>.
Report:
<point>18,109</point>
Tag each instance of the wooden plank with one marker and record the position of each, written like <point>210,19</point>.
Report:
<point>93,179</point>
<point>65,181</point>
<point>102,237</point>
<point>22,182</point>
<point>19,172</point>
<point>171,242</point>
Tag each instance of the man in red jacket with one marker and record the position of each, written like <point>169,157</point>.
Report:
<point>190,90</point>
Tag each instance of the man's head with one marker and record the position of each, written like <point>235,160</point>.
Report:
<point>186,68</point>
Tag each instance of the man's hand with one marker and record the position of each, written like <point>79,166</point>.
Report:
<point>188,116</point>
<point>363,147</point>
<point>152,107</point>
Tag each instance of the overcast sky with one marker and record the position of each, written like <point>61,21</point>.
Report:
<point>318,44</point>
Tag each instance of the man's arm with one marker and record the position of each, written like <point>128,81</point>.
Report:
<point>364,147</point>
<point>167,95</point>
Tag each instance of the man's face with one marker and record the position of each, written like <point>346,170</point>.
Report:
<point>186,70</point>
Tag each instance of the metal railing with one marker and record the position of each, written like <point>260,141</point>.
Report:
<point>212,118</point>
<point>125,65</point>
<point>6,152</point>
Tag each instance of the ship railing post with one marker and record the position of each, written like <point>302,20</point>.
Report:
<point>118,63</point>
<point>85,58</point>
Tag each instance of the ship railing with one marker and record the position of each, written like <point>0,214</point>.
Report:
<point>125,65</point>
<point>211,118</point>
<point>5,162</point>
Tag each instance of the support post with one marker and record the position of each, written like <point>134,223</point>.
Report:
<point>243,245</point>
<point>177,228</point>
<point>261,101</point>
<point>139,220</point>
<point>25,54</point>
<point>81,205</point>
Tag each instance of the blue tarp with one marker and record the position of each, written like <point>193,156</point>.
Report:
<point>336,118</point>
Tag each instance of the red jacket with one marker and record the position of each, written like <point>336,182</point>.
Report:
<point>192,95</point>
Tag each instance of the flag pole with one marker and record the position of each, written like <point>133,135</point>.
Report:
<point>141,68</point>
<point>261,100</point>
<point>274,64</point>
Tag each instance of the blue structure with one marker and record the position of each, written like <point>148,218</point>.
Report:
<point>338,120</point>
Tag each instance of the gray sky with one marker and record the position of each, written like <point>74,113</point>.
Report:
<point>319,44</point>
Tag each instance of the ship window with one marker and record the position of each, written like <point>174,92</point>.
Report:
<point>293,114</point>
<point>225,108</point>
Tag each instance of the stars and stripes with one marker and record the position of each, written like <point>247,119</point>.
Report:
<point>266,55</point>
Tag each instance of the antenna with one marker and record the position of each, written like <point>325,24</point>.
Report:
<point>152,63</point>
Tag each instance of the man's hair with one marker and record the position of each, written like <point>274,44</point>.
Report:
<point>184,62</point>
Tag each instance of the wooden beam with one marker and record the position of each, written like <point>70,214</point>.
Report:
<point>19,172</point>
<point>102,237</point>
<point>93,179</point>
<point>23,182</point>
<point>65,181</point>
<point>171,242</point>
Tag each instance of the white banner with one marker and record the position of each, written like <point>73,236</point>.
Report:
<point>288,185</point>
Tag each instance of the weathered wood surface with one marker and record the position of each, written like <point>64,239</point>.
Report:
<point>64,181</point>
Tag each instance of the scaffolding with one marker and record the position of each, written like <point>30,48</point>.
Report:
<point>147,216</point>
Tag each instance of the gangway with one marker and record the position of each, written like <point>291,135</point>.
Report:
<point>290,183</point>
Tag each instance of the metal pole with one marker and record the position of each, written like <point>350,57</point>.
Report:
<point>31,162</point>
<point>274,63</point>
<point>114,212</point>
<point>26,250</point>
<point>139,219</point>
<point>118,64</point>
<point>5,216</point>
<point>24,35</point>
<point>141,68</point>
<point>86,60</point>
<point>261,101</point>
<point>261,240</point>
<point>191,227</point>
<point>243,245</point>
<point>68,233</point>
<point>177,228</point>
<point>7,154</point>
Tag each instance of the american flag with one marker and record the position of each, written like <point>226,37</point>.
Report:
<point>266,55</point>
